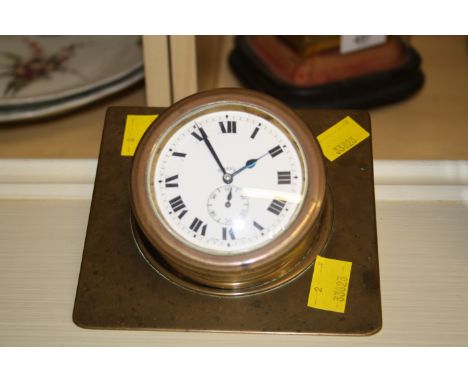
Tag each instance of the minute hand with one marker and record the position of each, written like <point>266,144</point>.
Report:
<point>249,164</point>
<point>212,151</point>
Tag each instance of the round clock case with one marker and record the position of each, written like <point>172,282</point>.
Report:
<point>228,193</point>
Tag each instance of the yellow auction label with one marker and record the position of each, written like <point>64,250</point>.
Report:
<point>329,287</point>
<point>135,127</point>
<point>341,137</point>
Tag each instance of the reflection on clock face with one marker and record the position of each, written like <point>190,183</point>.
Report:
<point>227,182</point>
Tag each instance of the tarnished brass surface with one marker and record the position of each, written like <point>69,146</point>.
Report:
<point>119,289</point>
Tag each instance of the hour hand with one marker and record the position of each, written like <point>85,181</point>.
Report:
<point>249,164</point>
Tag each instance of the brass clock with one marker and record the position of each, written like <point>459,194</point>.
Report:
<point>229,193</point>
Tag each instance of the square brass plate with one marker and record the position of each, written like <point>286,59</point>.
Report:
<point>117,289</point>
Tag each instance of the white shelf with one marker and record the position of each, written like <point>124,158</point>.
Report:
<point>422,221</point>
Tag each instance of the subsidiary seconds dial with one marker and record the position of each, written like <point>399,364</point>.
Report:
<point>227,205</point>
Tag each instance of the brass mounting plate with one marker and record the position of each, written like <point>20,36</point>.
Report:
<point>118,289</point>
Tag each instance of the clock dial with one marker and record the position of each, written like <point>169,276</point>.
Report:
<point>228,181</point>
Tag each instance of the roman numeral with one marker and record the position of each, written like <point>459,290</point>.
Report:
<point>182,214</point>
<point>276,206</point>
<point>258,226</point>
<point>197,136</point>
<point>177,154</point>
<point>196,224</point>
<point>230,232</point>
<point>275,151</point>
<point>202,132</point>
<point>177,204</point>
<point>231,127</point>
<point>172,181</point>
<point>254,133</point>
<point>284,177</point>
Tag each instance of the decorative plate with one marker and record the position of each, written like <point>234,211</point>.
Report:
<point>38,69</point>
<point>36,111</point>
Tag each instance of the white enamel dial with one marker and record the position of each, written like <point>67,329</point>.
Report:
<point>227,182</point>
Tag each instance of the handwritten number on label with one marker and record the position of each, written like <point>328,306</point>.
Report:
<point>344,146</point>
<point>341,286</point>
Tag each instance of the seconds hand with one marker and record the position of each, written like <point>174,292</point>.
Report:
<point>229,197</point>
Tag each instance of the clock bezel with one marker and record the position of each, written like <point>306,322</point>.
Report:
<point>253,267</point>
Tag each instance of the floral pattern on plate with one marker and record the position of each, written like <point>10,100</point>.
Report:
<point>22,71</point>
<point>39,69</point>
